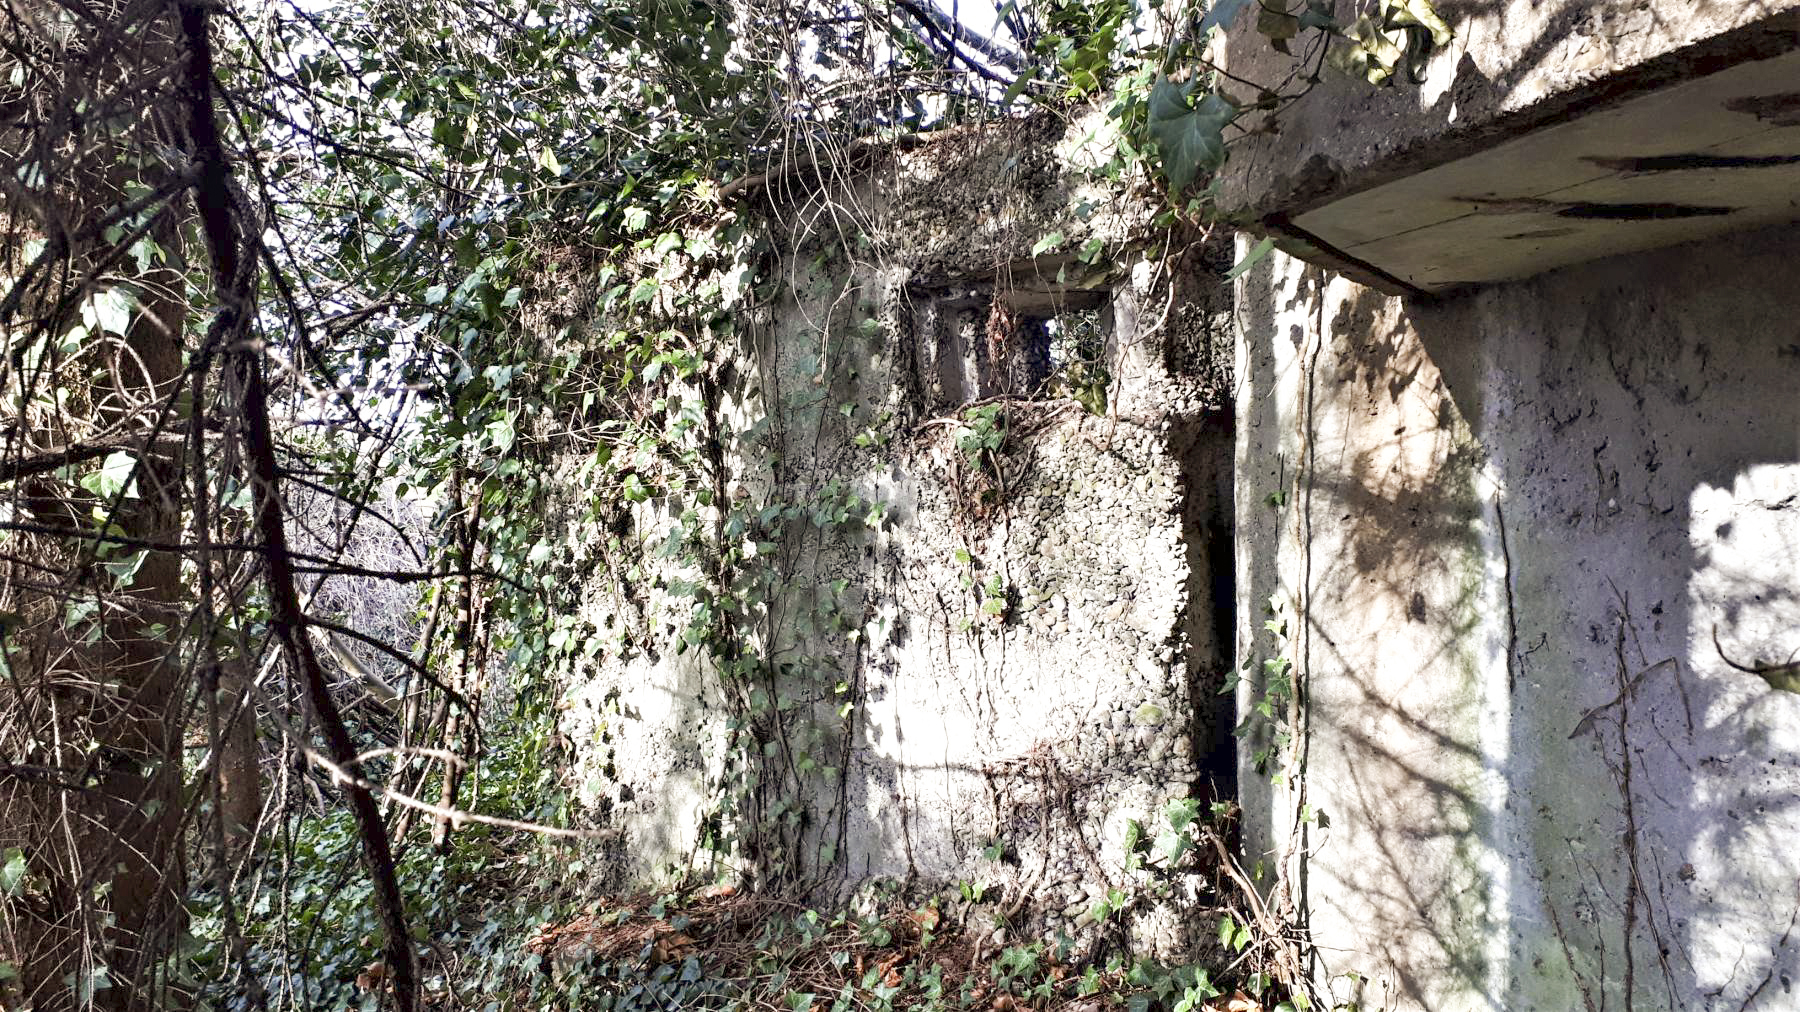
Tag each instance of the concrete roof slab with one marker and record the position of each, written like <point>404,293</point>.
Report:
<point>1686,163</point>
<point>1512,159</point>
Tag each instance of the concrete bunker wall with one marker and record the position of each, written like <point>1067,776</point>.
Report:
<point>1511,523</point>
<point>1031,644</point>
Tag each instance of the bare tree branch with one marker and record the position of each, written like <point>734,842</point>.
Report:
<point>231,276</point>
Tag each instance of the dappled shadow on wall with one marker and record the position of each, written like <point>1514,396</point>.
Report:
<point>1640,436</point>
<point>1519,514</point>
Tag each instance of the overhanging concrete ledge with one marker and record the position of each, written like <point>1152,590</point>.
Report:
<point>1418,190</point>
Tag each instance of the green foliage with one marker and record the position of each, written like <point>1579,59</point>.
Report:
<point>1020,970</point>
<point>983,431</point>
<point>114,477</point>
<point>1232,935</point>
<point>1176,109</point>
<point>1399,36</point>
<point>1273,709</point>
<point>1085,43</point>
<point>528,197</point>
<point>1178,988</point>
<point>1176,839</point>
<point>1257,252</point>
<point>502,275</point>
<point>811,960</point>
<point>12,872</point>
<point>1081,347</point>
<point>1089,64</point>
<point>479,900</point>
<point>1189,137</point>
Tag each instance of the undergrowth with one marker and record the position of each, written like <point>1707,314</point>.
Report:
<point>717,948</point>
<point>500,927</point>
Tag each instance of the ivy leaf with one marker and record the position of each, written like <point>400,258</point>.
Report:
<point>448,132</point>
<point>1233,934</point>
<point>125,570</point>
<point>110,310</point>
<point>1278,27</point>
<point>1049,242</point>
<point>1257,252</point>
<point>547,159</point>
<point>1223,13</point>
<point>1181,813</point>
<point>1191,138</point>
<point>1086,65</point>
<point>500,433</point>
<point>1421,14</point>
<point>1017,88</point>
<point>12,871</point>
<point>110,480</point>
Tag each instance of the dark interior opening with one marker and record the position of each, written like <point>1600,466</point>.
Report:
<point>1203,444</point>
<point>978,342</point>
<point>1066,356</point>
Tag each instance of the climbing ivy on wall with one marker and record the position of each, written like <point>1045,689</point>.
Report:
<point>563,276</point>
<point>581,286</point>
<point>1183,110</point>
<point>503,271</point>
<point>551,268</point>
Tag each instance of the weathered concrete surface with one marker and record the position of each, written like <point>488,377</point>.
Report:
<point>1711,156</point>
<point>1025,647</point>
<point>1511,523</point>
<point>1515,67</point>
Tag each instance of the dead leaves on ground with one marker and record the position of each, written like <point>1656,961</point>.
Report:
<point>722,928</point>
<point>606,938</point>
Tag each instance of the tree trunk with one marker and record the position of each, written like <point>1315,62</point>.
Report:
<point>96,691</point>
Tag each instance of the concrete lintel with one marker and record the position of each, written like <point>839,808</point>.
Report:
<point>1495,170</point>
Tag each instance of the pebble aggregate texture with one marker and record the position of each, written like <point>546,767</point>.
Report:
<point>1003,748</point>
<point>1516,519</point>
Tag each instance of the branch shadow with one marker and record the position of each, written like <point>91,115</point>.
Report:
<point>1518,514</point>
